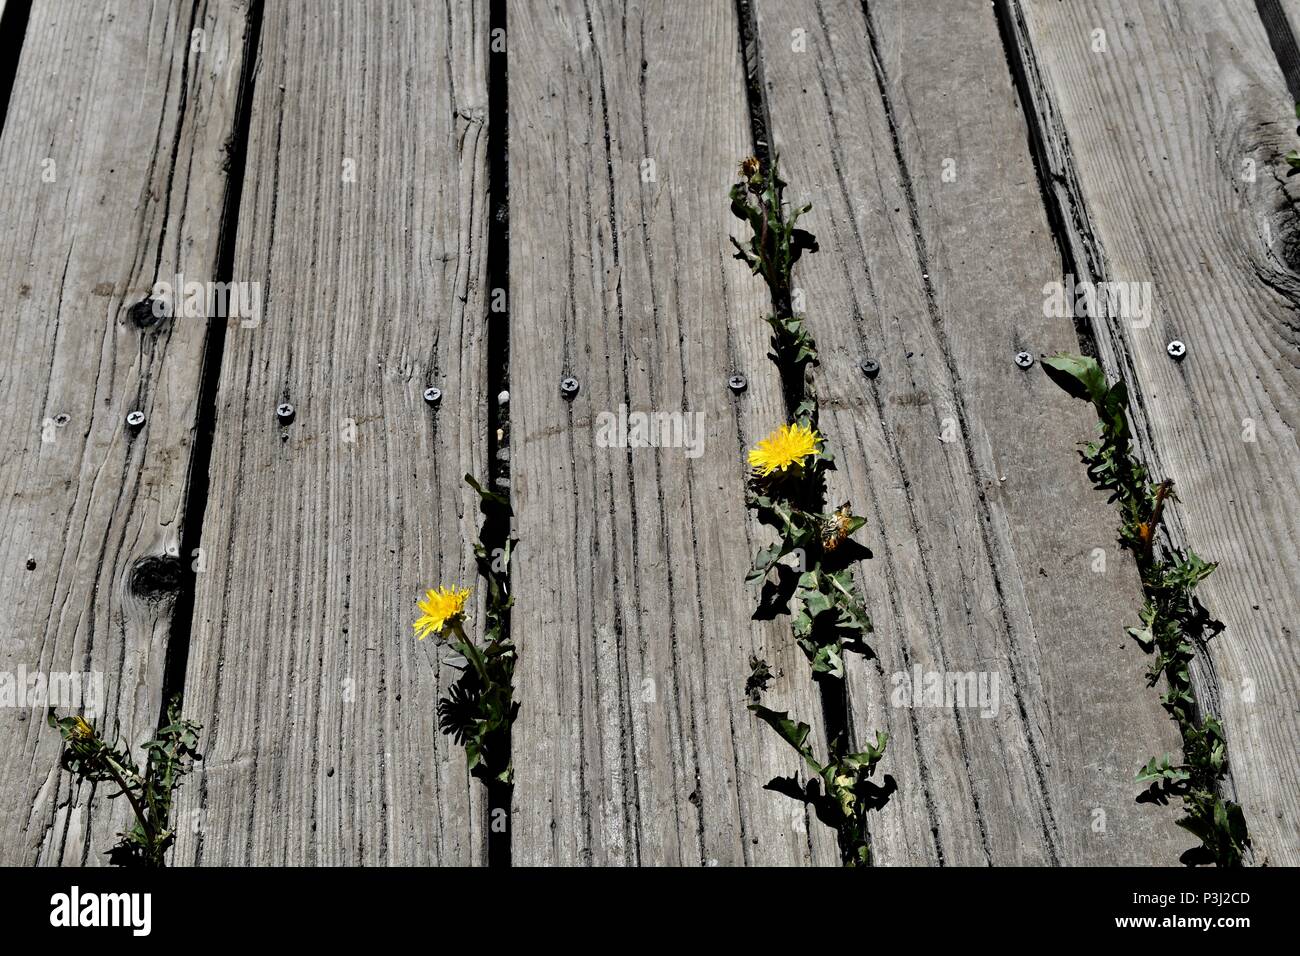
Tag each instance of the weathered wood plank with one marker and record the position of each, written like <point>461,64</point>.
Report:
<point>111,178</point>
<point>1281,18</point>
<point>983,528</point>
<point>1148,141</point>
<point>633,744</point>
<point>364,218</point>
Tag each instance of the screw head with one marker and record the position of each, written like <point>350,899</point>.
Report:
<point>1024,359</point>
<point>569,387</point>
<point>284,411</point>
<point>135,419</point>
<point>737,383</point>
<point>870,367</point>
<point>432,395</point>
<point>62,419</point>
<point>1176,349</point>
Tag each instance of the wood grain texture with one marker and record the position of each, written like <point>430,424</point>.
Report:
<point>111,178</point>
<point>1280,19</point>
<point>633,744</point>
<point>983,527</point>
<point>319,704</point>
<point>364,224</point>
<point>1148,143</point>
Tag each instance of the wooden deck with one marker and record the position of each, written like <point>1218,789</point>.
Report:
<point>349,160</point>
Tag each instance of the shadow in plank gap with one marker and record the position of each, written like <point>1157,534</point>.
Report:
<point>14,15</point>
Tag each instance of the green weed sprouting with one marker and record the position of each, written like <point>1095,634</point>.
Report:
<point>843,794</point>
<point>1173,621</point>
<point>787,490</point>
<point>168,758</point>
<point>480,706</point>
<point>774,247</point>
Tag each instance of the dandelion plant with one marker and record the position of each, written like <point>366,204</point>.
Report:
<point>1173,621</point>
<point>842,792</point>
<point>774,247</point>
<point>479,707</point>
<point>149,791</point>
<point>787,491</point>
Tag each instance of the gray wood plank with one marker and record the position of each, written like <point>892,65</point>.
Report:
<point>1281,19</point>
<point>982,522</point>
<point>111,178</point>
<point>633,744</point>
<point>318,702</point>
<point>1149,143</point>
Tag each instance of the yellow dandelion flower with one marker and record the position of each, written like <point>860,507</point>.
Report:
<point>786,447</point>
<point>81,730</point>
<point>748,167</point>
<point>442,609</point>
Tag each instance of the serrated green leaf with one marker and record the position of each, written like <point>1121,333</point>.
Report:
<point>793,732</point>
<point>828,660</point>
<point>1078,375</point>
